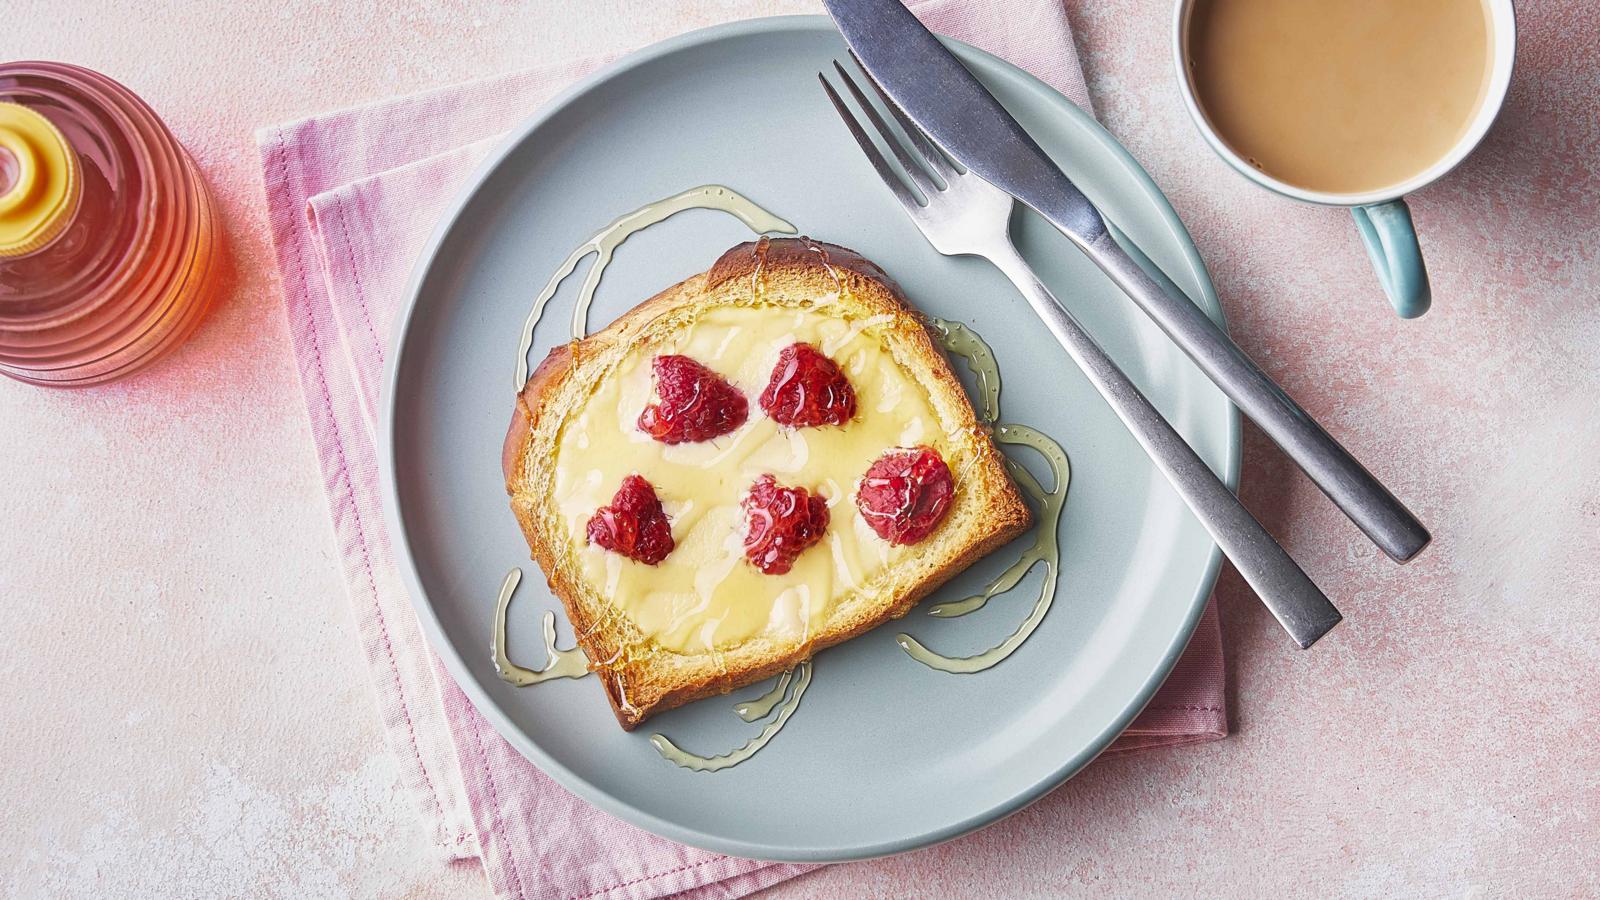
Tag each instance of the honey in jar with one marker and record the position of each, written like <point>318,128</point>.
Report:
<point>107,245</point>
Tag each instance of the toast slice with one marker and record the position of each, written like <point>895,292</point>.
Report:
<point>705,620</point>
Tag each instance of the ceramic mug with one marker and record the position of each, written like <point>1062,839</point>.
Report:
<point>1382,216</point>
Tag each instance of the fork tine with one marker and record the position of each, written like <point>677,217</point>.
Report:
<point>881,165</point>
<point>934,157</point>
<point>918,173</point>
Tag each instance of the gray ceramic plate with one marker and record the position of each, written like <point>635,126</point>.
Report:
<point>884,755</point>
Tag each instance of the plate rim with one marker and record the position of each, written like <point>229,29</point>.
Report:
<point>434,631</point>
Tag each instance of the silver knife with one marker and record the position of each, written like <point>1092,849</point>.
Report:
<point>931,86</point>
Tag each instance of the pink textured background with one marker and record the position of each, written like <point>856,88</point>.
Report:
<point>181,714</point>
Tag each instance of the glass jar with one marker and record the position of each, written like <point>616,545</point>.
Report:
<point>107,245</point>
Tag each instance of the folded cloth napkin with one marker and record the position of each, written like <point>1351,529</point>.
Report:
<point>352,197</point>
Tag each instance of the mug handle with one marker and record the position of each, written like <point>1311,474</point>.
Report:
<point>1392,246</point>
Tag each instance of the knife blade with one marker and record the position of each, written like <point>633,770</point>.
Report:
<point>931,86</point>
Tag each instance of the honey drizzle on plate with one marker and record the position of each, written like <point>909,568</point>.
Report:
<point>761,707</point>
<point>750,712</point>
<point>606,241</point>
<point>963,342</point>
<point>568,663</point>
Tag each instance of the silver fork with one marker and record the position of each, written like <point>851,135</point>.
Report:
<point>961,214</point>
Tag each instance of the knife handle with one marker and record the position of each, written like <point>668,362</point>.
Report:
<point>1359,495</point>
<point>1294,599</point>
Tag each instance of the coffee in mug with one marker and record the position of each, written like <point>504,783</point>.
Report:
<point>1340,96</point>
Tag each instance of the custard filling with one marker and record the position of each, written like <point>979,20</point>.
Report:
<point>705,596</point>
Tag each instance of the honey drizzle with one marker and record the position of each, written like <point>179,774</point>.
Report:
<point>827,264</point>
<point>802,679</point>
<point>761,707</point>
<point>758,284</point>
<point>964,343</point>
<point>961,341</point>
<point>606,241</point>
<point>568,663</point>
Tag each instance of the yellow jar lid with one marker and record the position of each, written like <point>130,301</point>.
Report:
<point>44,180</point>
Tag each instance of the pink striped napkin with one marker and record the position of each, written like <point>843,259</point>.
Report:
<point>352,197</point>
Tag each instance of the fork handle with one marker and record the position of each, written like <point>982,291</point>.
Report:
<point>1360,496</point>
<point>1299,605</point>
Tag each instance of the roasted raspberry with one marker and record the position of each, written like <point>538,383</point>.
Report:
<point>780,523</point>
<point>634,525</point>
<point>696,404</point>
<point>807,389</point>
<point>906,494</point>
